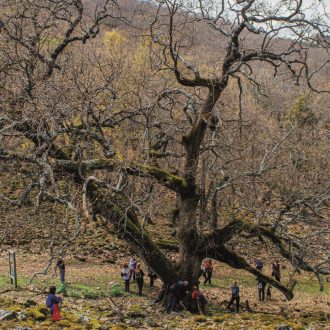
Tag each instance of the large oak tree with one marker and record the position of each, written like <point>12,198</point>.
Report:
<point>120,126</point>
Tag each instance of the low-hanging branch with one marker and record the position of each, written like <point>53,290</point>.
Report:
<point>116,209</point>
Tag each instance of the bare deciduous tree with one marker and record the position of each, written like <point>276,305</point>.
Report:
<point>121,139</point>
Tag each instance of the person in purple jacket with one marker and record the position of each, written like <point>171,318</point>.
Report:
<point>52,299</point>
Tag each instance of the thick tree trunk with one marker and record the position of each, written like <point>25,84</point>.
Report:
<point>190,259</point>
<point>187,234</point>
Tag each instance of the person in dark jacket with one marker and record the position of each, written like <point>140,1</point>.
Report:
<point>276,271</point>
<point>261,289</point>
<point>152,276</point>
<point>139,274</point>
<point>235,297</point>
<point>60,265</point>
<point>53,300</point>
<point>259,264</point>
<point>177,293</point>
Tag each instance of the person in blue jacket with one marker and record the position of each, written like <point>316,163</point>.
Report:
<point>52,299</point>
<point>234,296</point>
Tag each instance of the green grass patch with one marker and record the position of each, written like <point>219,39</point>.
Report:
<point>308,285</point>
<point>312,286</point>
<point>5,282</point>
<point>85,291</point>
<point>116,291</point>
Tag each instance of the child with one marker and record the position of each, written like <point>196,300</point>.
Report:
<point>125,274</point>
<point>200,299</point>
<point>269,293</point>
<point>54,302</point>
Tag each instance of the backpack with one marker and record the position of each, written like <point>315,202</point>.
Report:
<point>56,315</point>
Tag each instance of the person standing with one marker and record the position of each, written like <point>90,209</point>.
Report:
<point>235,297</point>
<point>152,276</point>
<point>261,289</point>
<point>276,271</point>
<point>139,274</point>
<point>132,266</point>
<point>208,269</point>
<point>259,264</point>
<point>60,265</point>
<point>125,274</point>
<point>54,302</point>
<point>269,293</point>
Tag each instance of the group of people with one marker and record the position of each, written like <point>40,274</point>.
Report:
<point>176,292</point>
<point>276,272</point>
<point>133,272</point>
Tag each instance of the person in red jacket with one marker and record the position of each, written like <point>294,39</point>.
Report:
<point>199,298</point>
<point>208,269</point>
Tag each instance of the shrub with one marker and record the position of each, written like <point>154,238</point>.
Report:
<point>116,291</point>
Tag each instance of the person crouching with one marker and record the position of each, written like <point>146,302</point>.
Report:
<point>199,298</point>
